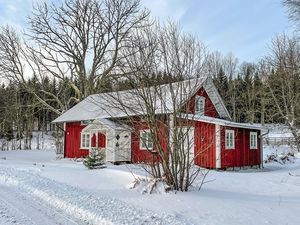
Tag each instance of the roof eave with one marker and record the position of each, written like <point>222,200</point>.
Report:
<point>221,122</point>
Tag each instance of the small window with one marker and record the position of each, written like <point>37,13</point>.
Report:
<point>199,104</point>
<point>85,141</point>
<point>146,142</point>
<point>229,139</point>
<point>86,122</point>
<point>253,140</point>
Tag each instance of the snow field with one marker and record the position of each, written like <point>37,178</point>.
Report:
<point>66,188</point>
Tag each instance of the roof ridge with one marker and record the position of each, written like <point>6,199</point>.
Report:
<point>161,85</point>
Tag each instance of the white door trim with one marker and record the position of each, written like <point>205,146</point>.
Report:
<point>190,132</point>
<point>218,146</point>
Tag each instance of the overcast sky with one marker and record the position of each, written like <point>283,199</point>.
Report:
<point>243,27</point>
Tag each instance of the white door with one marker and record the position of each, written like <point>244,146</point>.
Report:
<point>110,146</point>
<point>188,142</point>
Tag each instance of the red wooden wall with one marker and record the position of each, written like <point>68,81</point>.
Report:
<point>72,146</point>
<point>210,109</point>
<point>241,155</point>
<point>73,136</point>
<point>139,155</point>
<point>205,147</point>
<point>101,140</point>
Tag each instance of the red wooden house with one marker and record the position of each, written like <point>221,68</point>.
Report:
<point>101,121</point>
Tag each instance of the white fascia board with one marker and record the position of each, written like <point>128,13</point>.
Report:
<point>221,122</point>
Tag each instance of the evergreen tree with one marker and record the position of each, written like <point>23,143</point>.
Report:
<point>96,160</point>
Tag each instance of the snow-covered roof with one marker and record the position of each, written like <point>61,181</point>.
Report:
<point>221,122</point>
<point>163,98</point>
<point>278,131</point>
<point>104,124</point>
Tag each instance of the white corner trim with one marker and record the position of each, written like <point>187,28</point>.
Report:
<point>218,146</point>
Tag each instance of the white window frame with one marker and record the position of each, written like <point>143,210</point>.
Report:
<point>229,144</point>
<point>144,144</point>
<point>85,140</point>
<point>199,105</point>
<point>253,140</point>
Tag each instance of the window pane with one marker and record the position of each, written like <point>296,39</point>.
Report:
<point>144,139</point>
<point>149,141</point>
<point>87,143</point>
<point>229,139</point>
<point>83,140</point>
<point>87,140</point>
<point>201,105</point>
<point>253,140</point>
<point>144,134</point>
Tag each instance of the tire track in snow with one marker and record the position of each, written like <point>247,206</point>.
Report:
<point>19,209</point>
<point>81,205</point>
<point>9,214</point>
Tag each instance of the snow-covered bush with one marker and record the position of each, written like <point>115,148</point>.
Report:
<point>281,158</point>
<point>150,186</point>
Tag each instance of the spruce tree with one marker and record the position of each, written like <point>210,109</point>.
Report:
<point>96,160</point>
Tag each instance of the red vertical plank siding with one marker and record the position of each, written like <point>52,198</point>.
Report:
<point>139,155</point>
<point>205,147</point>
<point>94,143</point>
<point>73,135</point>
<point>241,155</point>
<point>204,150</point>
<point>101,140</point>
<point>210,109</point>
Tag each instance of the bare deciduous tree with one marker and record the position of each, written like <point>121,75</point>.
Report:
<point>284,84</point>
<point>293,7</point>
<point>164,110</point>
<point>78,42</point>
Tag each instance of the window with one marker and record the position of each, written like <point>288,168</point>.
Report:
<point>253,140</point>
<point>86,122</point>
<point>229,139</point>
<point>85,141</point>
<point>146,142</point>
<point>199,104</point>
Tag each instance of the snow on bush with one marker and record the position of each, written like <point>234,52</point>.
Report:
<point>281,158</point>
<point>150,185</point>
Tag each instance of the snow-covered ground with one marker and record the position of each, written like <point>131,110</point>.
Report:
<point>35,187</point>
